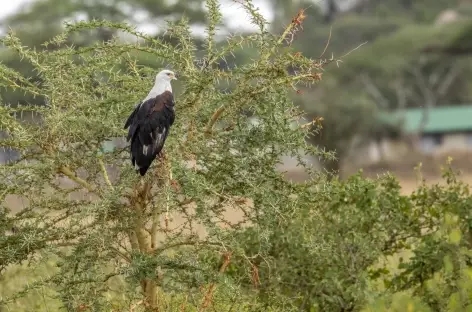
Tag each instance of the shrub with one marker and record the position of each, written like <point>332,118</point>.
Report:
<point>360,244</point>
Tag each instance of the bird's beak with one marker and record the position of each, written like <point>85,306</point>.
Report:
<point>174,77</point>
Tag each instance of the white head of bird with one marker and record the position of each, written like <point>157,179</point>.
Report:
<point>165,75</point>
<point>162,83</point>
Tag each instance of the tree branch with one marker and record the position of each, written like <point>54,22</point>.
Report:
<point>429,98</point>
<point>163,177</point>
<point>212,287</point>
<point>71,175</point>
<point>373,90</point>
<point>213,120</point>
<point>450,77</point>
<point>401,94</point>
<point>137,203</point>
<point>105,174</point>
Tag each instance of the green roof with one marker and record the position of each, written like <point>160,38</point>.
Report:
<point>440,119</point>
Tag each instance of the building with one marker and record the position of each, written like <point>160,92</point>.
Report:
<point>446,129</point>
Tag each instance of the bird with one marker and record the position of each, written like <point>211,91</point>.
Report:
<point>150,122</point>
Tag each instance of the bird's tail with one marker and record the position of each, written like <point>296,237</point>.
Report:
<point>139,160</point>
<point>143,170</point>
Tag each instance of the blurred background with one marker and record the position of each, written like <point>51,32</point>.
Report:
<point>401,96</point>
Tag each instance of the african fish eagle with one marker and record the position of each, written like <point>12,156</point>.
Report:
<point>150,121</point>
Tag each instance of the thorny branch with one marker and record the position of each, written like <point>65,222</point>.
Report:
<point>209,294</point>
<point>105,173</point>
<point>71,175</point>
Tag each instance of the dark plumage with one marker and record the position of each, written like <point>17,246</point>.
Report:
<point>149,125</point>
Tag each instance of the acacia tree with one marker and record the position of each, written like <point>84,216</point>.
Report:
<point>119,240</point>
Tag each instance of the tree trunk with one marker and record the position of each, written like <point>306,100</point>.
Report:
<point>150,295</point>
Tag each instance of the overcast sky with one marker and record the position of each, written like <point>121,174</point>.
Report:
<point>9,7</point>
<point>232,12</point>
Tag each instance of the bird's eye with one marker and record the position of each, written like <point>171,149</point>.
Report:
<point>168,74</point>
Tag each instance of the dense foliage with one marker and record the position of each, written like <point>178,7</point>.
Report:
<point>360,244</point>
<point>214,226</point>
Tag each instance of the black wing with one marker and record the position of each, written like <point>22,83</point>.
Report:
<point>130,122</point>
<point>149,126</point>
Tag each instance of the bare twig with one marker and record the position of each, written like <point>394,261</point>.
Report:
<point>134,306</point>
<point>121,254</point>
<point>327,43</point>
<point>316,120</point>
<point>353,49</point>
